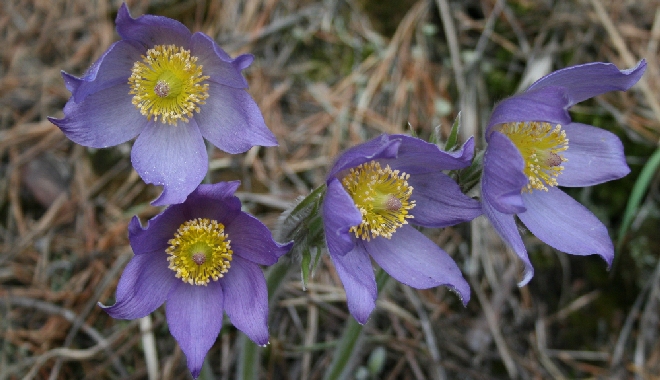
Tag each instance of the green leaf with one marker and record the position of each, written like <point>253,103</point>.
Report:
<point>304,267</point>
<point>303,225</point>
<point>376,361</point>
<point>452,140</point>
<point>297,216</point>
<point>469,177</point>
<point>317,259</point>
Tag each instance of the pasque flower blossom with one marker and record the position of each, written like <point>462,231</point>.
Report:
<point>201,258</point>
<point>533,147</point>
<point>173,89</point>
<point>375,192</point>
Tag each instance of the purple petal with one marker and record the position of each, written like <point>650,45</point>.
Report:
<point>194,316</point>
<point>594,156</point>
<point>160,229</point>
<point>143,286</point>
<point>215,201</point>
<point>547,104</point>
<point>503,177</point>
<point>418,156</point>
<point>505,225</point>
<point>412,259</point>
<point>440,202</point>
<point>105,118</point>
<point>246,299</point>
<point>216,63</point>
<point>253,241</point>
<point>357,276</point>
<point>150,30</point>
<point>243,61</point>
<point>339,215</point>
<point>381,147</point>
<point>232,121</point>
<point>586,81</point>
<point>113,68</point>
<point>564,224</point>
<point>172,156</point>
<point>72,82</point>
<point>220,190</point>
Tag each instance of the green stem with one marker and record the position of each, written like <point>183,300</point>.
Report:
<point>349,340</point>
<point>248,360</point>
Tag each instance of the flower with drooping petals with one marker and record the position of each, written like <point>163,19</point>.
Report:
<point>201,258</point>
<point>533,147</point>
<point>173,89</point>
<point>375,192</point>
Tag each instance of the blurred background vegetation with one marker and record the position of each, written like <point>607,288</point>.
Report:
<point>329,74</point>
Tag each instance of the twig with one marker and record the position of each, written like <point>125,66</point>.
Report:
<point>485,36</point>
<point>312,11</point>
<point>626,330</point>
<point>452,41</point>
<point>149,347</point>
<point>74,354</point>
<point>577,304</point>
<point>652,47</point>
<point>102,343</point>
<point>541,346</point>
<point>52,309</point>
<point>627,57</point>
<point>494,326</point>
<point>437,372</point>
<point>80,318</point>
<point>44,223</point>
<point>648,324</point>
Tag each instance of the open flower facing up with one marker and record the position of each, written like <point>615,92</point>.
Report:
<point>374,190</point>
<point>533,147</point>
<point>173,89</point>
<point>201,258</point>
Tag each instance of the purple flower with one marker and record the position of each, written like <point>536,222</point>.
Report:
<point>533,147</point>
<point>173,89</point>
<point>374,190</point>
<point>201,257</point>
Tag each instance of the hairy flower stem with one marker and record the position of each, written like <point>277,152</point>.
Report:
<point>349,342</point>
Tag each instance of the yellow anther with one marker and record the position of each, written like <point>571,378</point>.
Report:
<point>167,84</point>
<point>199,251</point>
<point>540,146</point>
<point>382,196</point>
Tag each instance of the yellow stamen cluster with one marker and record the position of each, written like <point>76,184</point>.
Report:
<point>166,84</point>
<point>382,196</point>
<point>199,251</point>
<point>540,146</point>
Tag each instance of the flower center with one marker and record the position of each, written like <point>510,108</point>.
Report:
<point>382,196</point>
<point>199,251</point>
<point>540,146</point>
<point>166,84</point>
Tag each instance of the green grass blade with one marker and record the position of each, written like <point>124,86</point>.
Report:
<point>638,191</point>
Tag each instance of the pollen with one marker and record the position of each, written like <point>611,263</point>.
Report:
<point>383,198</point>
<point>200,251</point>
<point>540,146</point>
<point>167,84</point>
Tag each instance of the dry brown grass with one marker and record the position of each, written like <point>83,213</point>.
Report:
<point>326,78</point>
